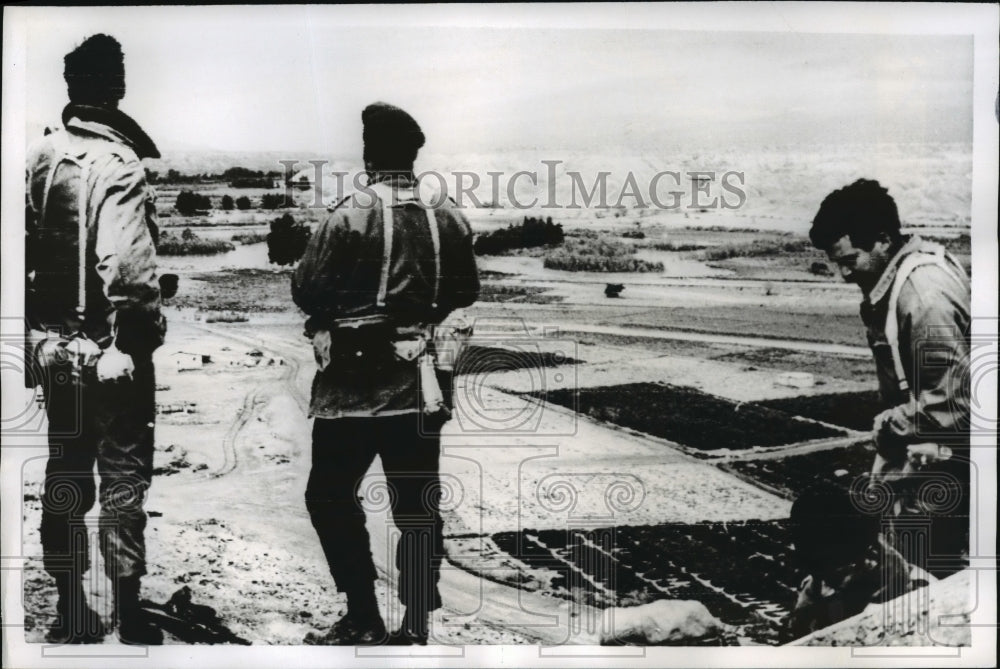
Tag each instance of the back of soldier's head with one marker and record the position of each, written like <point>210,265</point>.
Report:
<point>95,72</point>
<point>391,137</point>
<point>829,529</point>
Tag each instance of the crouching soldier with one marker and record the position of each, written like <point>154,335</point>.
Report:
<point>916,308</point>
<point>93,304</point>
<point>845,562</point>
<point>376,277</point>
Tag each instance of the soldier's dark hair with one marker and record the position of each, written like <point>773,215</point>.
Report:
<point>863,211</point>
<point>95,71</point>
<point>829,529</point>
<point>390,158</point>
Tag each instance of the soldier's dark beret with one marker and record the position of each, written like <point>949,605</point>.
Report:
<point>386,125</point>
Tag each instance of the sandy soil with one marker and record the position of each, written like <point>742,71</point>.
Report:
<point>227,517</point>
<point>938,615</point>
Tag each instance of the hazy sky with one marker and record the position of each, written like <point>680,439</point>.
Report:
<point>296,79</point>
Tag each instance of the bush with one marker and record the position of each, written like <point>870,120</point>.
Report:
<point>242,203</point>
<point>189,244</point>
<point>287,240</point>
<point>758,248</point>
<point>245,182</point>
<point>590,253</point>
<point>227,317</point>
<point>227,202</point>
<point>249,237</point>
<point>821,269</point>
<point>531,233</point>
<point>634,234</point>
<point>275,201</point>
<point>189,203</point>
<point>674,246</point>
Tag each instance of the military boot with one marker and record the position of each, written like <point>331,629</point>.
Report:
<point>414,631</point>
<point>362,625</point>
<point>77,622</point>
<point>134,626</point>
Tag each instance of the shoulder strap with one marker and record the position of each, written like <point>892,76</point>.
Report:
<point>436,241</point>
<point>64,156</point>
<point>933,255</point>
<point>383,285</point>
<point>384,194</point>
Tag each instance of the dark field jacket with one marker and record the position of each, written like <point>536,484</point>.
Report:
<point>340,279</point>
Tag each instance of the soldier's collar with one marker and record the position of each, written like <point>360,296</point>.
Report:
<point>885,281</point>
<point>119,127</point>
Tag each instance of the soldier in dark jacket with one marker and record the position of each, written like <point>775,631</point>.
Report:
<point>377,275</point>
<point>92,284</point>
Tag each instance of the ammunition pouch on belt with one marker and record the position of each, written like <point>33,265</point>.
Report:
<point>355,346</point>
<point>52,356</point>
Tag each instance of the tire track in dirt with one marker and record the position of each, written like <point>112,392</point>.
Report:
<point>252,399</point>
<point>246,411</point>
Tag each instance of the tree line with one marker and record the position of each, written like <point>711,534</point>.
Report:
<point>189,203</point>
<point>530,233</point>
<point>238,177</point>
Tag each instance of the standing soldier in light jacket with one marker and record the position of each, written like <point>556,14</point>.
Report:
<point>93,302</point>
<point>375,279</point>
<point>917,312</point>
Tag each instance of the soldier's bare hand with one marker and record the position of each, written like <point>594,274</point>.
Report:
<point>114,366</point>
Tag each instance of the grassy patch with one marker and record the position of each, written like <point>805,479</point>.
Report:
<point>227,317</point>
<point>676,246</point>
<point>495,292</point>
<point>189,244</point>
<point>598,253</point>
<point>250,237</point>
<point>757,249</point>
<point>238,290</point>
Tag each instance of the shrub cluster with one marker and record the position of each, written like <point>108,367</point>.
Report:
<point>275,201</point>
<point>591,253</point>
<point>188,203</point>
<point>190,244</point>
<point>675,246</point>
<point>757,248</point>
<point>250,237</point>
<point>287,240</point>
<point>531,233</point>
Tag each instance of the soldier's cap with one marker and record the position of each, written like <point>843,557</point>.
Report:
<point>385,124</point>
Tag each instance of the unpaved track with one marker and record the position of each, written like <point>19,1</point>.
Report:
<point>564,327</point>
<point>535,618</point>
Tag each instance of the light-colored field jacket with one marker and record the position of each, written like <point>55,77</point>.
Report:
<point>92,169</point>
